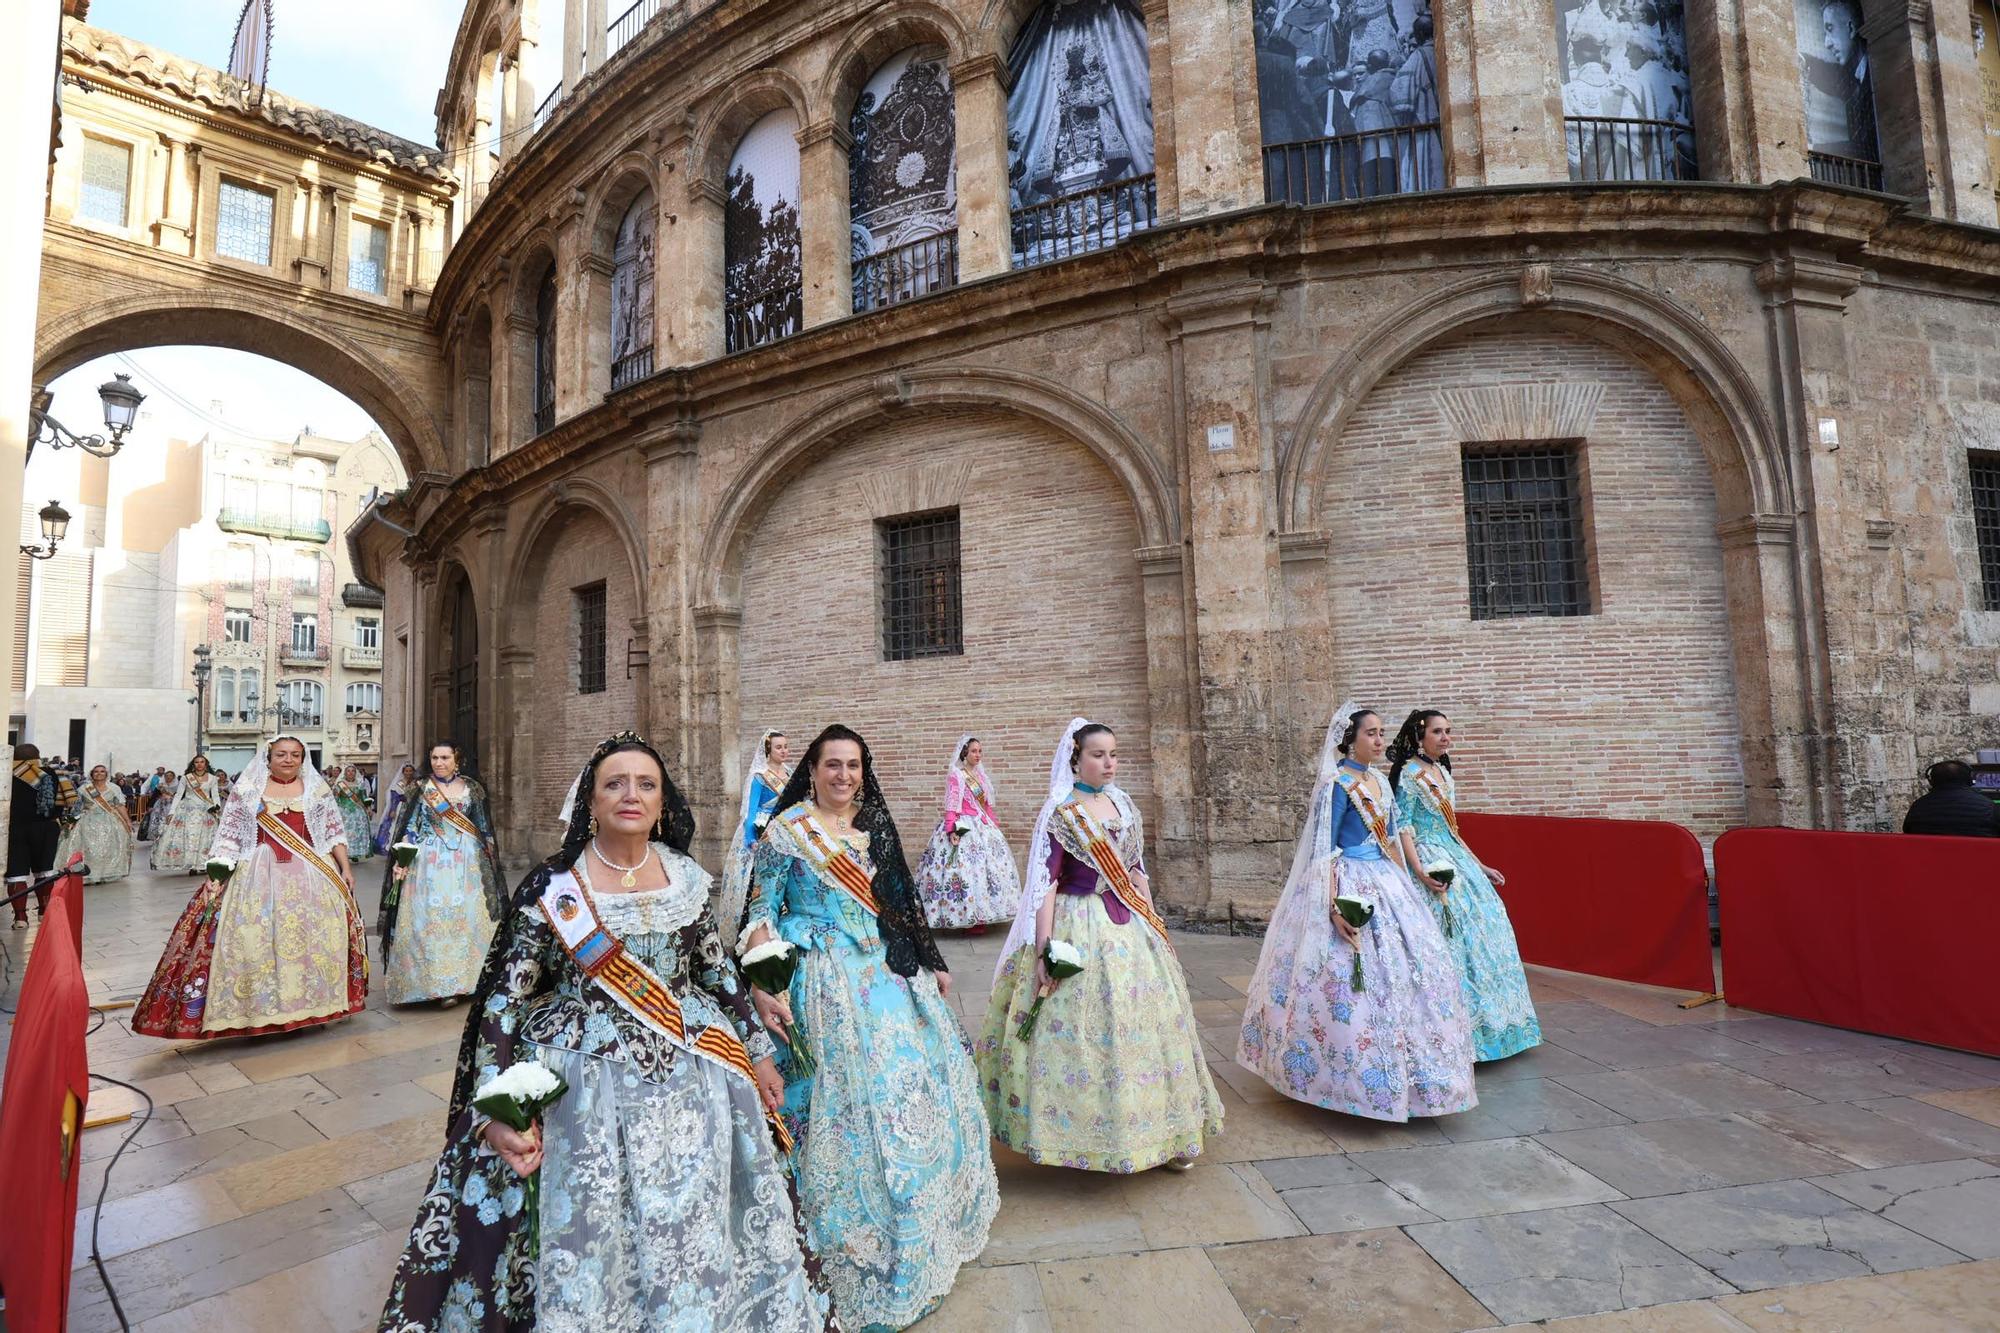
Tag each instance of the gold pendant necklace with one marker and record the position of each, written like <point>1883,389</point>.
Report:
<point>629,875</point>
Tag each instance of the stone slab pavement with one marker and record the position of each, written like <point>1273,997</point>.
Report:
<point>1649,1168</point>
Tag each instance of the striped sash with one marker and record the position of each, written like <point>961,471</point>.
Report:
<point>447,812</point>
<point>1439,797</point>
<point>636,988</point>
<point>1362,794</point>
<point>1092,837</point>
<point>831,859</point>
<point>288,837</point>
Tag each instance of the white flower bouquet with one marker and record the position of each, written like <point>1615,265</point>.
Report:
<point>959,828</point>
<point>516,1097</point>
<point>405,853</point>
<point>770,967</point>
<point>220,870</point>
<point>1062,960</point>
<point>1356,912</point>
<point>1444,872</point>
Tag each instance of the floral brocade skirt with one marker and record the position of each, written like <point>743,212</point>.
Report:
<point>1489,961</point>
<point>444,925</point>
<point>1399,1046</point>
<point>1112,1077</point>
<point>354,821</point>
<point>184,839</point>
<point>976,887</point>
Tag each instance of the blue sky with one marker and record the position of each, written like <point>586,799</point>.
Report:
<point>379,61</point>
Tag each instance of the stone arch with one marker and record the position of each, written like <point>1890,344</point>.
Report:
<point>748,100</point>
<point>622,181</point>
<point>1001,21</point>
<point>578,492</point>
<point>408,413</point>
<point>629,180</point>
<point>534,259</point>
<point>884,32</point>
<point>457,696</point>
<point>1138,468</point>
<point>1712,387</point>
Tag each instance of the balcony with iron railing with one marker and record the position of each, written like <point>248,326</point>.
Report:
<point>621,30</point>
<point>755,316</point>
<point>1368,165</point>
<point>293,653</point>
<point>1087,220</point>
<point>274,524</point>
<point>1857,173</point>
<point>545,111</point>
<point>905,272</point>
<point>545,415</point>
<point>1611,148</point>
<point>632,367</point>
<point>359,658</point>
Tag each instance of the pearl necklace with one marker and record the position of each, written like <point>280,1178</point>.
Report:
<point>630,874</point>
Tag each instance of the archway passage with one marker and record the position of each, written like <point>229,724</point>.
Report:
<point>462,674</point>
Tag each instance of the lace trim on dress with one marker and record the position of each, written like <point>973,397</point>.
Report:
<point>652,911</point>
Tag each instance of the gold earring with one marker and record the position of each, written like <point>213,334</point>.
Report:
<point>593,826</point>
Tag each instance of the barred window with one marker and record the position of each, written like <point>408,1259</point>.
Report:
<point>1524,539</point>
<point>107,182</point>
<point>1986,521</point>
<point>921,611</point>
<point>590,646</point>
<point>368,257</point>
<point>243,223</point>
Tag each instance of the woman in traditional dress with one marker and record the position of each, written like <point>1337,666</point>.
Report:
<point>189,827</point>
<point>966,876</point>
<point>406,786</point>
<point>102,831</point>
<point>893,1162</point>
<point>664,1203</point>
<point>159,808</point>
<point>767,777</point>
<point>438,916</point>
<point>1479,935</point>
<point>1398,1044</point>
<point>280,945</point>
<point>1111,1078</point>
<point>350,792</point>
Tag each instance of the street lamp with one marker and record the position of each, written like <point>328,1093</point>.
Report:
<point>121,408</point>
<point>55,526</point>
<point>201,674</point>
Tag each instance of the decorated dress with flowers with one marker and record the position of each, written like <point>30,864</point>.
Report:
<point>971,882</point>
<point>101,833</point>
<point>1399,1044</point>
<point>1482,938</point>
<point>282,946</point>
<point>1112,1076</point>
<point>664,1203</point>
<point>437,922</point>
<point>894,1167</point>
<point>188,827</point>
<point>351,794</point>
<point>385,827</point>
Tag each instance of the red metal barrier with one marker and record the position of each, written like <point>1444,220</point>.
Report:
<point>1880,932</point>
<point>41,1127</point>
<point>1620,898</point>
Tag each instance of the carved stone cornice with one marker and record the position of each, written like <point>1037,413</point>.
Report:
<point>815,134</point>
<point>1804,280</point>
<point>1158,561</point>
<point>985,65</point>
<point>1304,547</point>
<point>1757,530</point>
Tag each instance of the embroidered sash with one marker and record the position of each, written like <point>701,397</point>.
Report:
<point>288,837</point>
<point>1096,843</point>
<point>446,812</point>
<point>636,988</point>
<point>1439,797</point>
<point>104,804</point>
<point>831,859</point>
<point>1374,815</point>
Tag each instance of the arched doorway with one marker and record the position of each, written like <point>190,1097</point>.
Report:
<point>462,674</point>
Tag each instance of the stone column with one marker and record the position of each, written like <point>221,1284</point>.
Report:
<point>1929,123</point>
<point>174,231</point>
<point>574,264</point>
<point>689,278</point>
<point>1749,112</point>
<point>717,631</point>
<point>512,113</point>
<point>1160,66</point>
<point>596,27</point>
<point>1178,858</point>
<point>1513,67</point>
<point>979,107</point>
<point>827,260</point>
<point>1217,137</point>
<point>667,696</point>
<point>572,61</point>
<point>511,742</point>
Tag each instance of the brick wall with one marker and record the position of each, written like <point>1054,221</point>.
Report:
<point>579,549</point>
<point>1052,615</point>
<point>1629,712</point>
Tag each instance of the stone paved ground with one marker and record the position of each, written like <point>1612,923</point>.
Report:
<point>1706,1169</point>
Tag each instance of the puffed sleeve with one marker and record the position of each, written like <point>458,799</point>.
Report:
<point>955,797</point>
<point>1336,815</point>
<point>770,872</point>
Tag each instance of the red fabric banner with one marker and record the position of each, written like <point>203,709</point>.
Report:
<point>41,1125</point>
<point>1619,898</point>
<point>1889,933</point>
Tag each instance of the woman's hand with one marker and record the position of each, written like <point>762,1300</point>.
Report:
<point>1142,884</point>
<point>401,873</point>
<point>1430,883</point>
<point>770,1084</point>
<point>943,983</point>
<point>1494,875</point>
<point>774,1012</point>
<point>521,1151</point>
<point>1347,932</point>
<point>1044,983</point>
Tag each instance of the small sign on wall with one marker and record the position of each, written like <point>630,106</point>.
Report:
<point>1221,439</point>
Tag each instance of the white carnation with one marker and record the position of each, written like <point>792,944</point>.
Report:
<point>405,845</point>
<point>1435,868</point>
<point>963,825</point>
<point>1062,951</point>
<point>768,949</point>
<point>527,1081</point>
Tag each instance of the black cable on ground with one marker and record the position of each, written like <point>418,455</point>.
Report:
<point>97,1211</point>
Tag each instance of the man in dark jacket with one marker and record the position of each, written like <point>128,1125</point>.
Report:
<point>1953,806</point>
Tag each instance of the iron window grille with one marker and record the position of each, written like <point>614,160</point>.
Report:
<point>1985,470</point>
<point>590,639</point>
<point>1524,533</point>
<point>243,222</point>
<point>545,352</point>
<point>922,612</point>
<point>107,182</point>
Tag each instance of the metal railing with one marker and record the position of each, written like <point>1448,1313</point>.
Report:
<point>632,367</point>
<point>545,416</point>
<point>1610,148</point>
<point>274,525</point>
<point>1373,163</point>
<point>1855,172</point>
<point>751,319</point>
<point>1075,224</point>
<point>905,272</point>
<point>545,110</point>
<point>628,25</point>
<point>364,658</point>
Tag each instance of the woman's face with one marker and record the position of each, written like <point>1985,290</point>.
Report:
<point>1098,762</point>
<point>409,772</point>
<point>444,762</point>
<point>287,758</point>
<point>781,751</point>
<point>1371,737</point>
<point>1437,737</point>
<point>975,753</point>
<point>99,774</point>
<point>628,793</point>
<point>837,775</point>
<point>200,766</point>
